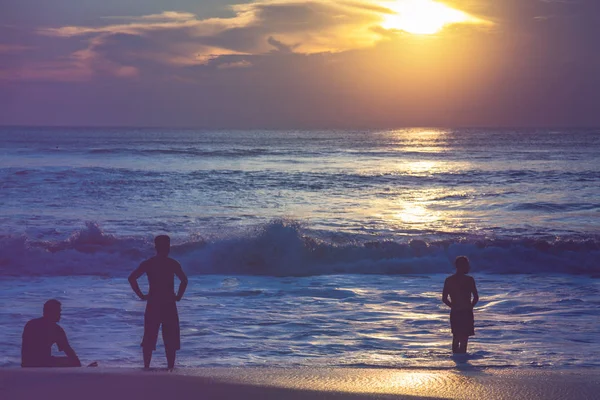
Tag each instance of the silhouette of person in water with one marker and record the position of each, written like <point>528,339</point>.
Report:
<point>460,287</point>
<point>39,336</point>
<point>161,308</point>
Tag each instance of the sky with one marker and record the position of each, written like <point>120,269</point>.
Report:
<point>286,64</point>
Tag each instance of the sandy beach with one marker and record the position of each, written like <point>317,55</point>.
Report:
<point>302,383</point>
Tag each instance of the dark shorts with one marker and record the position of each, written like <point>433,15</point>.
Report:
<point>462,322</point>
<point>165,315</point>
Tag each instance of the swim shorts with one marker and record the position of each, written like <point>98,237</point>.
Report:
<point>462,322</point>
<point>164,314</point>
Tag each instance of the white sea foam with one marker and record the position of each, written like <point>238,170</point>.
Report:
<point>281,249</point>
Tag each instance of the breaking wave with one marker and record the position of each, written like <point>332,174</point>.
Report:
<point>280,248</point>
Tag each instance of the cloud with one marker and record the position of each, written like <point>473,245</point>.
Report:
<point>182,39</point>
<point>316,26</point>
<point>310,64</point>
<point>165,16</point>
<point>131,46</point>
<point>281,47</point>
<point>236,64</point>
<point>13,48</point>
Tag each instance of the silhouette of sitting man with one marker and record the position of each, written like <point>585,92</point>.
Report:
<point>39,336</point>
<point>161,308</point>
<point>460,287</point>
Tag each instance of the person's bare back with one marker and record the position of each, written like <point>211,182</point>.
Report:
<point>460,288</point>
<point>457,293</point>
<point>41,334</point>
<point>161,308</point>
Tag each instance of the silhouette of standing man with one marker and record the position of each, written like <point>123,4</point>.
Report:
<point>460,287</point>
<point>161,308</point>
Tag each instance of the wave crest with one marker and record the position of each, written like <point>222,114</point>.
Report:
<point>280,248</point>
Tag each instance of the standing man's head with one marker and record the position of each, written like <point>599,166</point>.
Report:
<point>162,244</point>
<point>462,265</point>
<point>52,310</point>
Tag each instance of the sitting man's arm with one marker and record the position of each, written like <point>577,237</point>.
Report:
<point>139,271</point>
<point>63,345</point>
<point>445,294</point>
<point>183,281</point>
<point>72,357</point>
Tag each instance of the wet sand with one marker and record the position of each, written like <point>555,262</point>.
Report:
<point>301,383</point>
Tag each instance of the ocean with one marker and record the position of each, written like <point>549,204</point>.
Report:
<point>320,248</point>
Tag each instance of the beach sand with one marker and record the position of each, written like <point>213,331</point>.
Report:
<point>301,383</point>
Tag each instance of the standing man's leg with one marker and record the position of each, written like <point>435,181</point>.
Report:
<point>463,344</point>
<point>151,327</point>
<point>171,336</point>
<point>171,353</point>
<point>455,344</point>
<point>147,356</point>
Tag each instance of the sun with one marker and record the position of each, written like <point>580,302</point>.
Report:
<point>423,17</point>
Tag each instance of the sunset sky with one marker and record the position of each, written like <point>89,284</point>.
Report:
<point>296,64</point>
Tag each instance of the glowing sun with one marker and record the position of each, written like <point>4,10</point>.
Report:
<point>423,17</point>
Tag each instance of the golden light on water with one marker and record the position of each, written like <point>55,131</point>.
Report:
<point>403,208</point>
<point>412,213</point>
<point>423,17</point>
<point>404,383</point>
<point>421,167</point>
<point>414,380</point>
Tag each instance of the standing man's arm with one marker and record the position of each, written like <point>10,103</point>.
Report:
<point>445,295</point>
<point>475,294</point>
<point>183,281</point>
<point>139,271</point>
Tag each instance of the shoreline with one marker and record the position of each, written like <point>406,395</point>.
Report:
<point>298,383</point>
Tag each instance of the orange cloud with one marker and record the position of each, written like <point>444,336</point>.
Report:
<point>182,39</point>
<point>261,27</point>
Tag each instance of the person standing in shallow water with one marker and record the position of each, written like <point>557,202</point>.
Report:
<point>460,287</point>
<point>161,307</point>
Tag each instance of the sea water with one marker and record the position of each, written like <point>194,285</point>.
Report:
<point>307,248</point>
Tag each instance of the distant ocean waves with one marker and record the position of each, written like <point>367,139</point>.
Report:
<point>282,248</point>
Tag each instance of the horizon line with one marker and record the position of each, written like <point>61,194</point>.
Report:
<point>291,128</point>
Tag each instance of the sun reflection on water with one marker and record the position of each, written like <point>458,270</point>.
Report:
<point>421,167</point>
<point>419,156</point>
<point>415,214</point>
<point>413,380</point>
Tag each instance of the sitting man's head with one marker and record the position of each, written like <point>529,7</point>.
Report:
<point>162,244</point>
<point>52,310</point>
<point>462,265</point>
